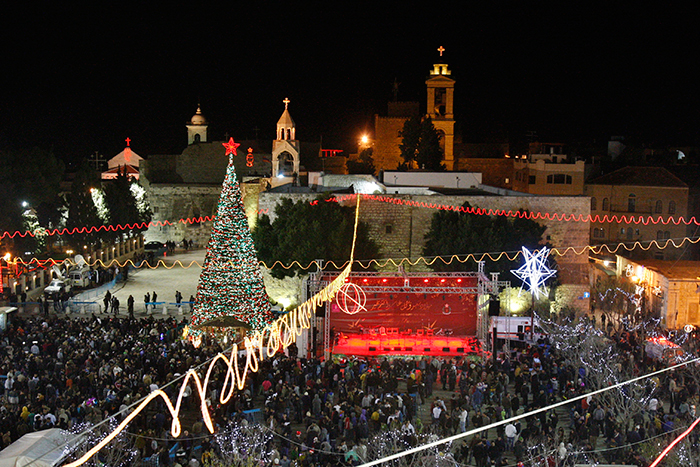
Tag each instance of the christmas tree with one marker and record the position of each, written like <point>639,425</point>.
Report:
<point>231,283</point>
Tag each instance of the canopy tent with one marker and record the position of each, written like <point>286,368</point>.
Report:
<point>39,449</point>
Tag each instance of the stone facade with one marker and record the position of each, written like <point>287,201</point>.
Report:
<point>400,230</point>
<point>172,202</point>
<point>640,192</point>
<point>670,289</point>
<point>386,154</point>
<point>494,172</point>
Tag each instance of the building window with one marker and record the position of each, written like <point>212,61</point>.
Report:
<point>622,232</point>
<point>667,235</point>
<point>659,207</point>
<point>632,203</point>
<point>606,204</point>
<point>594,204</point>
<point>598,232</point>
<point>659,235</point>
<point>671,207</point>
<point>532,180</point>
<point>389,229</point>
<point>630,233</point>
<point>559,179</point>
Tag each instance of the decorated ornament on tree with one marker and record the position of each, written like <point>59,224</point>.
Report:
<point>535,271</point>
<point>351,299</point>
<point>231,283</point>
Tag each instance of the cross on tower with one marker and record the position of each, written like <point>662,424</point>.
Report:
<point>441,49</point>
<point>286,102</point>
<point>128,140</point>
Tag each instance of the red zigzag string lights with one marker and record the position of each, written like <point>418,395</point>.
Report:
<point>547,216</point>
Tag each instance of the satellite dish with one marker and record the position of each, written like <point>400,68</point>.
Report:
<point>80,261</point>
<point>57,271</point>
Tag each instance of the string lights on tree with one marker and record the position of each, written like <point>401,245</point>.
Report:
<point>231,283</point>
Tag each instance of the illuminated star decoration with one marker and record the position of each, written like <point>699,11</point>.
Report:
<point>231,147</point>
<point>535,271</point>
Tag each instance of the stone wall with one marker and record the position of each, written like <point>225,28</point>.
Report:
<point>386,154</point>
<point>400,230</point>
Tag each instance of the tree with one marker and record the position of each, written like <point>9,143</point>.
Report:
<point>231,282</point>
<point>33,177</point>
<point>122,205</point>
<point>304,232</point>
<point>81,208</point>
<point>460,233</point>
<point>364,164</point>
<point>420,145</point>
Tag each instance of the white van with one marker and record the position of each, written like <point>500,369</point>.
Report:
<point>80,277</point>
<point>516,328</point>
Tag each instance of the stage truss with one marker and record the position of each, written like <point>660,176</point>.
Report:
<point>413,282</point>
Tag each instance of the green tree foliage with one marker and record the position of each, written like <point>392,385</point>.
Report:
<point>364,164</point>
<point>420,145</point>
<point>81,208</point>
<point>32,176</point>
<point>122,205</point>
<point>304,232</point>
<point>459,233</point>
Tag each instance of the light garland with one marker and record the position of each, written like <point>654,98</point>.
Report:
<point>260,344</point>
<point>351,302</point>
<point>474,431</point>
<point>383,263</point>
<point>533,215</point>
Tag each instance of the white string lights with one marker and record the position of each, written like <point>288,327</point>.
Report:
<point>535,270</point>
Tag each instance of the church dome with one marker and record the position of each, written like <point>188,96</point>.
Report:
<point>198,118</point>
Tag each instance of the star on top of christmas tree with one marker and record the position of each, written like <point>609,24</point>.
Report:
<point>231,283</point>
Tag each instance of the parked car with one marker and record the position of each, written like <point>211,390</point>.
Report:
<point>56,289</point>
<point>154,246</point>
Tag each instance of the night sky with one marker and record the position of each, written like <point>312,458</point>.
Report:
<point>82,80</point>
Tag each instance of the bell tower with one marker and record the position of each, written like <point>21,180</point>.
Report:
<point>285,147</point>
<point>441,89</point>
<point>197,128</point>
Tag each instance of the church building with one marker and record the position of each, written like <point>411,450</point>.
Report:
<point>188,185</point>
<point>439,107</point>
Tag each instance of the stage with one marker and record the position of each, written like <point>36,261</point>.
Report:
<point>410,314</point>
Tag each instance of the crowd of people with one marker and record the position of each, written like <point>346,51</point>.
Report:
<point>59,372</point>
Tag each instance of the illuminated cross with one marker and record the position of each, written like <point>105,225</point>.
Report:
<point>441,49</point>
<point>286,102</point>
<point>128,140</point>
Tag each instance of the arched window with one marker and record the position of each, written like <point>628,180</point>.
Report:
<point>667,235</point>
<point>671,207</point>
<point>606,204</point>
<point>197,138</point>
<point>594,204</point>
<point>659,207</point>
<point>659,235</point>
<point>632,203</point>
<point>630,233</point>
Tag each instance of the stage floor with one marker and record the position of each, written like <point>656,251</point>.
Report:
<point>442,346</point>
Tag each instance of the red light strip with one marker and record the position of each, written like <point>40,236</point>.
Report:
<point>673,443</point>
<point>559,217</point>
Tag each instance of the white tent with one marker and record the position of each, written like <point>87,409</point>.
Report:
<point>39,449</point>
